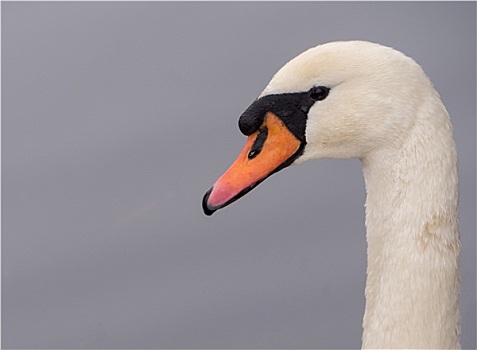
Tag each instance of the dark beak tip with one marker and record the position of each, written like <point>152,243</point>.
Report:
<point>205,206</point>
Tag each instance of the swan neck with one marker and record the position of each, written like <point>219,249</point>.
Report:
<point>412,287</point>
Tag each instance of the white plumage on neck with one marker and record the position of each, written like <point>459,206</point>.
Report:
<point>412,288</point>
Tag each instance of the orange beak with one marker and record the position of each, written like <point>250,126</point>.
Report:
<point>269,149</point>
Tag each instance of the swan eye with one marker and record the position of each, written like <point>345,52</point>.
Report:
<point>319,93</point>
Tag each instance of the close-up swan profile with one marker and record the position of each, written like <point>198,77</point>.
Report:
<point>363,100</point>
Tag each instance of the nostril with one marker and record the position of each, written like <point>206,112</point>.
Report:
<point>259,142</point>
<point>253,153</point>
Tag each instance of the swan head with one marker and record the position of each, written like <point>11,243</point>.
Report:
<point>337,100</point>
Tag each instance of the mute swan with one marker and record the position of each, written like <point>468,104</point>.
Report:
<point>363,100</point>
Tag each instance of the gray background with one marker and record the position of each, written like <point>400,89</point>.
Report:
<point>117,117</point>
